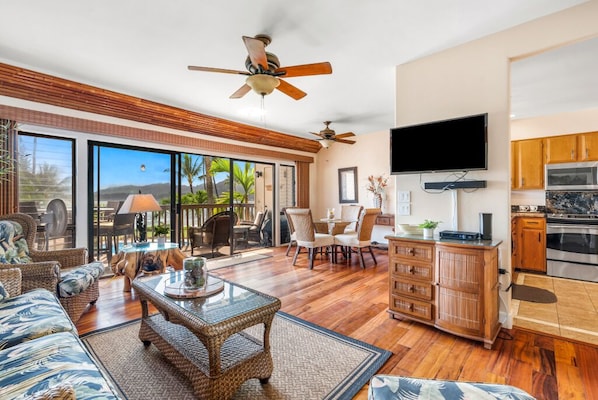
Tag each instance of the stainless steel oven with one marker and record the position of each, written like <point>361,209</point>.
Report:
<point>572,176</point>
<point>572,246</point>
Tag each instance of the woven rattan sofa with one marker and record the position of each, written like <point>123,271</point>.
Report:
<point>41,356</point>
<point>65,273</point>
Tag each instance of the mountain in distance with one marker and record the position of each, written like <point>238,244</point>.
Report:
<point>160,191</point>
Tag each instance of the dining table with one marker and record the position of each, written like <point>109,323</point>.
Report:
<point>336,225</point>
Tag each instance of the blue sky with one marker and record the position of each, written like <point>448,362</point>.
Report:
<point>123,167</point>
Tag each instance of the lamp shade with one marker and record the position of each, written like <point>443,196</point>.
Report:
<point>138,203</point>
<point>262,84</point>
<point>326,143</point>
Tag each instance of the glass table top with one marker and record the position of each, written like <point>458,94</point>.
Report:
<point>150,246</point>
<point>230,302</point>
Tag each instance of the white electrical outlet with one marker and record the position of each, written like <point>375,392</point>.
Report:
<point>405,209</point>
<point>404,196</point>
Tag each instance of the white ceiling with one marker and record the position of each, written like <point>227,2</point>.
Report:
<point>143,48</point>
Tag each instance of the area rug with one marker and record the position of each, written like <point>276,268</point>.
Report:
<point>236,259</point>
<point>533,294</point>
<point>310,362</point>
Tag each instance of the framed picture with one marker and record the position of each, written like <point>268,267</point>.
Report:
<point>347,185</point>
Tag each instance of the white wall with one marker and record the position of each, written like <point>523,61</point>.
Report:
<point>370,154</point>
<point>471,79</point>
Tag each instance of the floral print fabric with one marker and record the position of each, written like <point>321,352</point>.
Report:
<point>13,246</point>
<point>31,315</point>
<point>47,362</point>
<point>388,387</point>
<point>3,293</point>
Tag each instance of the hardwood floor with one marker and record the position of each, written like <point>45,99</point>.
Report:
<point>353,302</point>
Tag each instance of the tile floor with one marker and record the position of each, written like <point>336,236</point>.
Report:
<point>573,316</point>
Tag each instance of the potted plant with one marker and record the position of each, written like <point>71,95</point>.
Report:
<point>161,231</point>
<point>429,226</point>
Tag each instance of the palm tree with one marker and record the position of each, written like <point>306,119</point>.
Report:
<point>191,168</point>
<point>243,180</point>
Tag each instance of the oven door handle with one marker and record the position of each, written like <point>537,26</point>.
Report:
<point>572,227</point>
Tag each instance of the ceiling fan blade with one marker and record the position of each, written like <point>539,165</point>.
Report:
<point>242,91</point>
<point>344,135</point>
<point>317,134</point>
<point>257,52</point>
<point>221,70</point>
<point>305,69</point>
<point>291,90</point>
<point>344,141</point>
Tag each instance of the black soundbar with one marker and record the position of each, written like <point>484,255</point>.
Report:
<point>459,235</point>
<point>455,185</point>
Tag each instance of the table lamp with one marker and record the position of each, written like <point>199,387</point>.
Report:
<point>139,204</point>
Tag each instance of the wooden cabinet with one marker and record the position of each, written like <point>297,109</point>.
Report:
<point>560,149</point>
<point>411,271</point>
<point>385,219</point>
<point>588,146</point>
<point>527,164</point>
<point>530,243</point>
<point>453,287</point>
<point>572,148</point>
<point>467,298</point>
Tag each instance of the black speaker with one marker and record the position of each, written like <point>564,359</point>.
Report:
<point>486,226</point>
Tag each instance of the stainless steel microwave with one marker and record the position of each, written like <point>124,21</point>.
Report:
<point>572,176</point>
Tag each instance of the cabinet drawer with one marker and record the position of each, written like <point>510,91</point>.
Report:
<point>532,223</point>
<point>415,251</point>
<point>414,270</point>
<point>415,308</point>
<point>406,287</point>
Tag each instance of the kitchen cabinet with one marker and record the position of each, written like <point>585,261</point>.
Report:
<point>452,286</point>
<point>530,244</point>
<point>572,148</point>
<point>527,170</point>
<point>588,146</point>
<point>560,149</point>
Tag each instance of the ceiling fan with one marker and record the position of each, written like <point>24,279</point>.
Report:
<point>328,136</point>
<point>264,72</point>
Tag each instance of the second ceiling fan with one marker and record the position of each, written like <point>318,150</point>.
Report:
<point>328,136</point>
<point>264,72</point>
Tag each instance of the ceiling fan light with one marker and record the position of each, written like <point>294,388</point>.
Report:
<point>262,84</point>
<point>326,143</point>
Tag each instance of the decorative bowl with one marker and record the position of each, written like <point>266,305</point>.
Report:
<point>411,229</point>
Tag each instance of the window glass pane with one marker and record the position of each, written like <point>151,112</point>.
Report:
<point>46,187</point>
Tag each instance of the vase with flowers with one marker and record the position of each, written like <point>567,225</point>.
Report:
<point>376,185</point>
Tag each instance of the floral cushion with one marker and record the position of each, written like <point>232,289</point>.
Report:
<point>13,246</point>
<point>389,387</point>
<point>3,293</point>
<point>76,281</point>
<point>31,315</point>
<point>29,368</point>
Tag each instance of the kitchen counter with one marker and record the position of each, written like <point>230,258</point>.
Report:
<point>437,239</point>
<point>528,214</point>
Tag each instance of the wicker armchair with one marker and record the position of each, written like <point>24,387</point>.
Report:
<point>47,267</point>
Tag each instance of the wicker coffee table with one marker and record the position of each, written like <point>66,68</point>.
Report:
<point>203,336</point>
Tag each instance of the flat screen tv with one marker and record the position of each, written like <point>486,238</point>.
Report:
<point>459,144</point>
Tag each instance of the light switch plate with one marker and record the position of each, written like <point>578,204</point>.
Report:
<point>404,209</point>
<point>404,196</point>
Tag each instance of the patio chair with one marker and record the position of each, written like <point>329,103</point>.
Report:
<point>361,238</point>
<point>64,272</point>
<point>214,233</point>
<point>307,236</point>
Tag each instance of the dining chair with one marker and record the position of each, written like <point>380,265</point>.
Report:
<point>292,235</point>
<point>359,239</point>
<point>307,236</point>
<point>350,212</point>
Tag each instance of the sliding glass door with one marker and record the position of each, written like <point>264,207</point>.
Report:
<point>116,173</point>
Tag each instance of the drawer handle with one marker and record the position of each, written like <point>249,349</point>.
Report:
<point>412,288</point>
<point>411,307</point>
<point>411,251</point>
<point>411,269</point>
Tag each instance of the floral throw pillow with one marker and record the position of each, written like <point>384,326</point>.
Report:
<point>3,293</point>
<point>13,246</point>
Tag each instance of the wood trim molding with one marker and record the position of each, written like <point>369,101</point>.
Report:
<point>102,128</point>
<point>42,88</point>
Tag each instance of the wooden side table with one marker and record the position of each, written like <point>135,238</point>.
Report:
<point>128,261</point>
